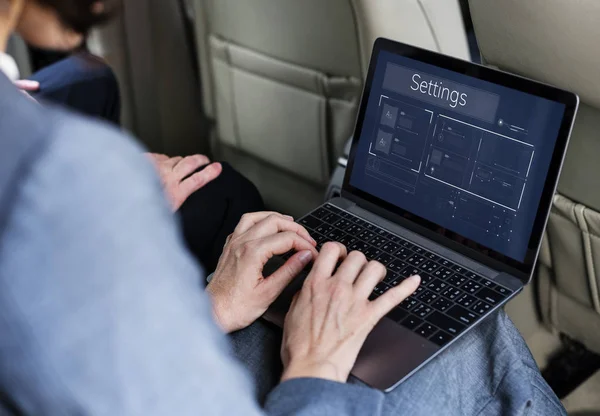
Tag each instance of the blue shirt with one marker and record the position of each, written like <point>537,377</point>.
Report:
<point>101,310</point>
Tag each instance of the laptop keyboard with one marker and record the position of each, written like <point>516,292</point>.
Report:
<point>450,297</point>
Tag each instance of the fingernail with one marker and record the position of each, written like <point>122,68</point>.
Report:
<point>313,241</point>
<point>305,257</point>
<point>416,278</point>
<point>288,217</point>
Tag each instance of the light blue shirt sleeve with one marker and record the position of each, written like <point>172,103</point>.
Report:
<point>101,307</point>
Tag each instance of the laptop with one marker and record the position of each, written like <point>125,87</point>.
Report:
<point>451,176</point>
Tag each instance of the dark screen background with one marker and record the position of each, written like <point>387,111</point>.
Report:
<point>479,179</point>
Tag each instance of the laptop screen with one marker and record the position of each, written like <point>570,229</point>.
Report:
<point>466,154</point>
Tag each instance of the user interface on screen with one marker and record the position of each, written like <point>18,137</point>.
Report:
<point>466,154</point>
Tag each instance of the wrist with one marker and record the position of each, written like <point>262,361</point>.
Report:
<point>219,312</point>
<point>323,370</point>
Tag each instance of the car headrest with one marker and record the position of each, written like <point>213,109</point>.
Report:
<point>553,41</point>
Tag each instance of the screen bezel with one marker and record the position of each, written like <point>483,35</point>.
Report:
<point>523,270</point>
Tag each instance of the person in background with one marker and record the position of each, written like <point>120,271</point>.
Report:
<point>100,313</point>
<point>210,198</point>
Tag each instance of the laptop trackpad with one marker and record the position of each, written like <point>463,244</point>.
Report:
<point>390,353</point>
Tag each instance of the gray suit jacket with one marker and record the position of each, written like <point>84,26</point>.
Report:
<point>101,310</point>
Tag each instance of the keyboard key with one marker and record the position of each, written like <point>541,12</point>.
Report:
<point>471,287</point>
<point>437,286</point>
<point>445,263</point>
<point>458,269</point>
<point>342,224</point>
<point>347,240</point>
<point>473,276</point>
<point>360,246</point>
<point>324,229</point>
<point>390,277</point>
<point>442,273</point>
<point>446,323</point>
<point>310,222</point>
<point>462,315</point>
<point>428,296</point>
<point>397,315</point>
<point>442,304</point>
<point>370,227</point>
<point>432,256</point>
<point>372,253</point>
<point>385,259</point>
<point>503,290</point>
<point>415,260</point>
<point>410,271</point>
<point>378,241</point>
<point>429,266</point>
<point>403,253</point>
<point>490,296</point>
<point>396,266</point>
<point>466,301</point>
<point>411,322</point>
<point>441,338</point>
<point>366,235</point>
<point>456,280</point>
<point>331,218</point>
<point>319,238</point>
<point>425,279</point>
<point>354,229</point>
<point>396,281</point>
<point>426,330</point>
<point>452,293</point>
<point>335,235</point>
<point>422,311</point>
<point>320,213</point>
<point>390,247</point>
<point>408,303</point>
<point>488,283</point>
<point>480,307</point>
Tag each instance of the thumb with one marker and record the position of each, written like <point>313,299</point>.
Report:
<point>27,85</point>
<point>286,273</point>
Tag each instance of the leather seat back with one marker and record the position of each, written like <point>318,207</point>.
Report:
<point>556,41</point>
<point>282,78</point>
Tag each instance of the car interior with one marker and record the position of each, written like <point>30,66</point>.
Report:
<point>273,87</point>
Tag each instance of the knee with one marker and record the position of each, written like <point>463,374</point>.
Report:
<point>240,189</point>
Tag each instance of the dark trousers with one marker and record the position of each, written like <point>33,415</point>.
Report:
<point>84,83</point>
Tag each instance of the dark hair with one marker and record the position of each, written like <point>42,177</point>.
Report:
<point>80,15</point>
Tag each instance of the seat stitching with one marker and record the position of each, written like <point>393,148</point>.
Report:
<point>435,39</point>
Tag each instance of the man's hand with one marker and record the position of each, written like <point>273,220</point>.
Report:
<point>178,177</point>
<point>331,316</point>
<point>239,291</point>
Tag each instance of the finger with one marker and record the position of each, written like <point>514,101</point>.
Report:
<point>171,162</point>
<point>274,224</point>
<point>190,164</point>
<point>325,263</point>
<point>390,299</point>
<point>249,220</point>
<point>199,180</point>
<point>351,267</point>
<point>286,273</point>
<point>281,243</point>
<point>27,85</point>
<point>373,273</point>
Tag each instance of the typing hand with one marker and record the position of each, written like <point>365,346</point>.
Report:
<point>178,177</point>
<point>331,316</point>
<point>239,291</point>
